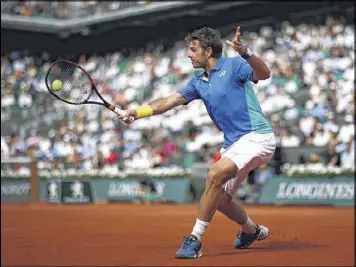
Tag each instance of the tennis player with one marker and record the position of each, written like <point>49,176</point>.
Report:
<point>226,88</point>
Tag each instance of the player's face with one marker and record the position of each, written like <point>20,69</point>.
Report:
<point>197,54</point>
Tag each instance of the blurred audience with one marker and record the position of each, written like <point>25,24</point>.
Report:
<point>308,99</point>
<point>347,157</point>
<point>65,9</point>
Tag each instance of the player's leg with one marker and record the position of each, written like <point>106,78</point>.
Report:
<point>261,149</point>
<point>232,209</point>
<point>239,159</point>
<point>219,174</point>
<point>229,205</point>
<point>249,231</point>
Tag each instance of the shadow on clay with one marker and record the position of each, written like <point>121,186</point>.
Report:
<point>271,246</point>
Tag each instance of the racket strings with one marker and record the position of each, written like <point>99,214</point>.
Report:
<point>69,82</point>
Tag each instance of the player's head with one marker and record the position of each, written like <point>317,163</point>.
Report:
<point>203,44</point>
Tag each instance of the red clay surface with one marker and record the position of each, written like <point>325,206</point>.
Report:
<point>123,234</point>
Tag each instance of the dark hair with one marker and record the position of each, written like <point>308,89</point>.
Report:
<point>208,37</point>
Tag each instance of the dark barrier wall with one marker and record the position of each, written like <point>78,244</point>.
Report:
<point>293,154</point>
<point>85,191</point>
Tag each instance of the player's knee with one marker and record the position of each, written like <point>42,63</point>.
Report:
<point>215,178</point>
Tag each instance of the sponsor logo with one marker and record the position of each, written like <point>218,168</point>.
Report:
<point>130,189</point>
<point>53,192</point>
<point>315,191</point>
<point>15,189</point>
<point>222,73</point>
<point>77,190</point>
<point>77,194</point>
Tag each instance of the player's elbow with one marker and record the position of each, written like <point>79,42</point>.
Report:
<point>262,74</point>
<point>266,74</point>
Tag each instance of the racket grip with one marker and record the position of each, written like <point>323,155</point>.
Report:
<point>115,110</point>
<point>112,108</point>
<point>119,113</point>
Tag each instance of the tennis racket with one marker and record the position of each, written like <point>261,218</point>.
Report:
<point>70,83</point>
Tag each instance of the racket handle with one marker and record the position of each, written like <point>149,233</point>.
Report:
<point>119,112</point>
<point>112,108</point>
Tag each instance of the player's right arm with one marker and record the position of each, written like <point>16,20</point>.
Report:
<point>162,105</point>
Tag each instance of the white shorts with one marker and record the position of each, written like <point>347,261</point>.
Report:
<point>249,152</point>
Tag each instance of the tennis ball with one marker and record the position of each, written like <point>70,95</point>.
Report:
<point>57,85</point>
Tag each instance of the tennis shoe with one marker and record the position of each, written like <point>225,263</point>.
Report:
<point>244,240</point>
<point>190,249</point>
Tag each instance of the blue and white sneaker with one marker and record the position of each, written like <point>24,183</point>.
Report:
<point>190,249</point>
<point>245,240</point>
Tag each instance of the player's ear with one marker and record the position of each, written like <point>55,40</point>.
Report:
<point>209,51</point>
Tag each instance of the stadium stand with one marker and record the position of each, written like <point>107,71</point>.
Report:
<point>65,9</point>
<point>308,100</point>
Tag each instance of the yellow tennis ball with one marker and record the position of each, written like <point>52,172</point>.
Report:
<point>57,85</point>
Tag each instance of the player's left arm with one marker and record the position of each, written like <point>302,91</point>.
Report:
<point>260,70</point>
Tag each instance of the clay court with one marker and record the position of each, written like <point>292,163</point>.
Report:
<point>123,234</point>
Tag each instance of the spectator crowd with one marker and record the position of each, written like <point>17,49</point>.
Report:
<point>308,100</point>
<point>65,9</point>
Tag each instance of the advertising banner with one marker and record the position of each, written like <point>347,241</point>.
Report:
<point>337,191</point>
<point>76,192</point>
<point>53,191</point>
<point>172,189</point>
<point>81,191</point>
<point>18,189</point>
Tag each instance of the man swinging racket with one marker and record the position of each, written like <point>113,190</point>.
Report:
<point>226,88</point>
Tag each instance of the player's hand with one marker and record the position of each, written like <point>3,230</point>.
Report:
<point>125,116</point>
<point>236,43</point>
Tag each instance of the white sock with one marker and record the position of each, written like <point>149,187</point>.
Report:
<point>248,227</point>
<point>199,228</point>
